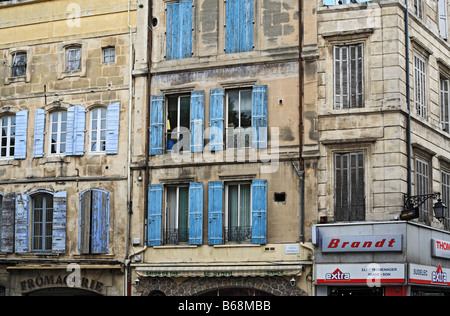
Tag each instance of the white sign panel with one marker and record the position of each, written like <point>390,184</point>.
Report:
<point>428,275</point>
<point>370,274</point>
<point>362,243</point>
<point>440,248</point>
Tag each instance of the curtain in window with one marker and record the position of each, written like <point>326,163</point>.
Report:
<point>183,206</point>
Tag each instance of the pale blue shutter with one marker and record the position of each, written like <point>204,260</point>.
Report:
<point>76,128</point>
<point>246,26</point>
<point>155,192</point>
<point>239,26</point>
<point>232,26</point>
<point>59,222</point>
<point>179,30</point>
<point>22,223</point>
<point>112,129</point>
<point>215,213</point>
<point>100,222</point>
<point>39,134</point>
<point>20,149</point>
<point>216,119</point>
<point>8,221</point>
<point>157,125</point>
<point>197,120</point>
<point>196,213</point>
<point>259,117</point>
<point>259,212</point>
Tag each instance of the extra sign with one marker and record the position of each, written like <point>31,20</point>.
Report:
<point>362,243</point>
<point>428,275</point>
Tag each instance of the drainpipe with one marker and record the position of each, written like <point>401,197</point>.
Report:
<point>408,100</point>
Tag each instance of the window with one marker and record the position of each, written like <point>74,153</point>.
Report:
<point>177,215</point>
<point>94,222</point>
<point>239,119</point>
<point>73,58</point>
<point>109,55</point>
<point>349,76</point>
<point>8,128</point>
<point>445,105</point>
<point>58,123</point>
<point>418,8</point>
<point>19,64</point>
<point>349,187</point>
<point>239,26</point>
<point>420,86</point>
<point>178,118</point>
<point>443,18</point>
<point>335,2</point>
<point>446,195</point>
<point>238,227</point>
<point>98,130</point>
<point>42,232</point>
<point>179,30</point>
<point>423,187</point>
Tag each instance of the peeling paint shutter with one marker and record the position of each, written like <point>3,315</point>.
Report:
<point>246,26</point>
<point>20,150</point>
<point>22,223</point>
<point>215,213</point>
<point>155,215</point>
<point>196,213</point>
<point>112,129</point>
<point>157,125</point>
<point>179,30</point>
<point>76,128</point>
<point>59,222</point>
<point>259,212</point>
<point>39,134</point>
<point>239,26</point>
<point>216,119</point>
<point>259,117</point>
<point>443,20</point>
<point>232,27</point>
<point>85,222</point>
<point>8,221</point>
<point>100,222</point>
<point>197,120</point>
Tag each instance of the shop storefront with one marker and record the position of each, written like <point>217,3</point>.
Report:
<point>381,259</point>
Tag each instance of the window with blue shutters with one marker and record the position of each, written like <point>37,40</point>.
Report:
<point>154,217</point>
<point>196,213</point>
<point>215,213</point>
<point>20,151</point>
<point>76,128</point>
<point>337,2</point>
<point>42,219</point>
<point>238,224</point>
<point>259,212</point>
<point>216,119</point>
<point>239,26</point>
<point>8,136</point>
<point>94,222</point>
<point>179,24</point>
<point>39,133</point>
<point>58,133</point>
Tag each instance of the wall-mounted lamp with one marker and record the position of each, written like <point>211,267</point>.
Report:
<point>413,203</point>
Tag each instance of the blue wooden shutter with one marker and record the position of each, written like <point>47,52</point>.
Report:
<point>215,213</point>
<point>197,120</point>
<point>20,149</point>
<point>76,128</point>
<point>259,117</point>
<point>232,27</point>
<point>157,125</point>
<point>59,222</point>
<point>259,212</point>
<point>39,134</point>
<point>22,224</point>
<point>85,222</point>
<point>216,119</point>
<point>154,215</point>
<point>179,30</point>
<point>196,213</point>
<point>112,129</point>
<point>246,26</point>
<point>100,222</point>
<point>8,223</point>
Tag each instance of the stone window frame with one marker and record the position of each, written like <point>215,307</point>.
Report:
<point>62,50</point>
<point>27,77</point>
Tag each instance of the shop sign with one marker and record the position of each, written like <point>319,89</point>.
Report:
<point>428,275</point>
<point>49,281</point>
<point>440,248</point>
<point>370,274</point>
<point>362,243</point>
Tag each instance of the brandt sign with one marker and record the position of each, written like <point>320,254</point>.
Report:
<point>362,243</point>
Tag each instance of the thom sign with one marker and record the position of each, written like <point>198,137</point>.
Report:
<point>362,243</point>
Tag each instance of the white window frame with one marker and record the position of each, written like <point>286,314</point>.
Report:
<point>226,213</point>
<point>10,136</point>
<point>109,55</point>
<point>239,131</point>
<point>445,104</point>
<point>45,234</point>
<point>423,185</point>
<point>420,86</point>
<point>177,211</point>
<point>58,133</point>
<point>166,133</point>
<point>98,139</point>
<point>68,58</point>
<point>15,60</point>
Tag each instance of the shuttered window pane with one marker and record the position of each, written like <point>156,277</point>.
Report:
<point>42,222</point>
<point>420,86</point>
<point>58,139</point>
<point>445,105</point>
<point>423,187</point>
<point>446,196</point>
<point>98,130</point>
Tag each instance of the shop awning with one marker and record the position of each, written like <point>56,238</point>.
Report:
<point>220,270</point>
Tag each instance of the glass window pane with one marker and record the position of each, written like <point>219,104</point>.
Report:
<point>246,109</point>
<point>233,109</point>
<point>185,112</point>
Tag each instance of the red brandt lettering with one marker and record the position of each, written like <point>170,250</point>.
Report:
<point>336,243</point>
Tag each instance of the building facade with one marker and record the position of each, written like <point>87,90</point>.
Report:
<point>65,74</point>
<point>377,75</point>
<point>222,212</point>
